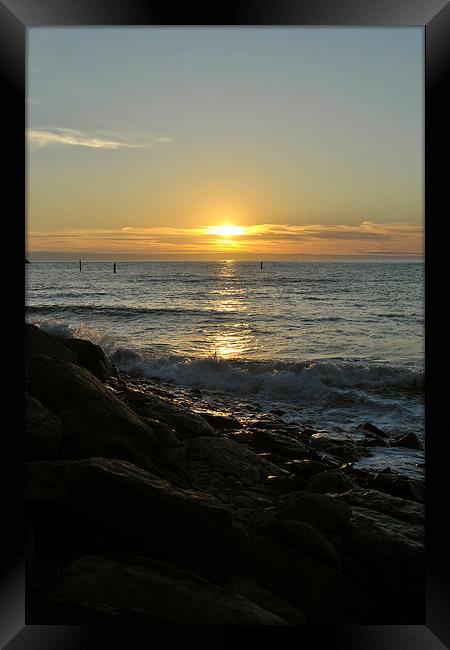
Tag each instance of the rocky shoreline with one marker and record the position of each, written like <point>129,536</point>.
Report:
<point>144,506</point>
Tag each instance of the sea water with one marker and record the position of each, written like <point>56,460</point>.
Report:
<point>332,344</point>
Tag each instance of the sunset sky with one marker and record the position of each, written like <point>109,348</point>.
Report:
<point>199,143</point>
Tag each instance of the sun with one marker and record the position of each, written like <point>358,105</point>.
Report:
<point>226,230</point>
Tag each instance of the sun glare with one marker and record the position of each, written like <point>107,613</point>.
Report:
<point>226,230</point>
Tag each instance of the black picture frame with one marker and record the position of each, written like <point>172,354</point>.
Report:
<point>434,15</point>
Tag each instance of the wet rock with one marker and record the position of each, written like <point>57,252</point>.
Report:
<point>367,426</point>
<point>336,482</point>
<point>39,342</point>
<point>132,589</point>
<point>398,486</point>
<point>202,458</point>
<point>279,444</point>
<point>401,509</point>
<point>91,356</point>
<point>186,423</point>
<point>60,385</point>
<point>101,505</point>
<point>43,431</point>
<point>222,422</point>
<point>277,412</point>
<point>306,539</point>
<point>345,450</point>
<point>285,484</point>
<point>410,441</point>
<point>305,468</point>
<point>322,511</point>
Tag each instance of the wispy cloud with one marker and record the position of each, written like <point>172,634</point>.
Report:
<point>44,137</point>
<point>365,238</point>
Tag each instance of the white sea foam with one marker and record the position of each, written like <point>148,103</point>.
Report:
<point>332,382</point>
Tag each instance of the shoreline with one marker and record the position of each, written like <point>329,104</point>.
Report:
<point>134,483</point>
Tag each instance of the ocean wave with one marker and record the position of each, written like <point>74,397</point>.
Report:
<point>329,381</point>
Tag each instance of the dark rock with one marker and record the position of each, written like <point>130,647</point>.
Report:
<point>272,458</point>
<point>306,539</point>
<point>222,422</point>
<point>91,357</point>
<point>410,441</point>
<point>277,412</point>
<point>336,482</point>
<point>386,535</point>
<point>373,429</point>
<point>60,385</point>
<point>279,444</point>
<point>345,450</point>
<point>39,342</point>
<point>96,422</point>
<point>305,468</point>
<point>101,505</point>
<point>318,590</point>
<point>286,483</point>
<point>249,589</point>
<point>398,486</point>
<point>186,423</point>
<point>116,433</point>
<point>195,392</point>
<point>43,431</point>
<point>132,589</point>
<point>400,509</point>
<point>324,512</point>
<point>203,458</point>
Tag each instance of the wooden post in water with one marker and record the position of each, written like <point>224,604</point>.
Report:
<point>80,265</point>
<point>261,264</point>
<point>114,267</point>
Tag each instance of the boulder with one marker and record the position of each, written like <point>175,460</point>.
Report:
<point>186,423</point>
<point>91,356</point>
<point>131,589</point>
<point>305,468</point>
<point>96,422</point>
<point>249,589</point>
<point>409,440</point>
<point>306,539</point>
<point>39,342</point>
<point>335,482</point>
<point>208,460</point>
<point>286,483</point>
<point>43,431</point>
<point>101,505</point>
<point>388,540</point>
<point>61,385</point>
<point>222,422</point>
<point>318,590</point>
<point>278,443</point>
<point>398,486</point>
<point>117,433</point>
<point>401,509</point>
<point>322,511</point>
<point>367,426</point>
<point>344,450</point>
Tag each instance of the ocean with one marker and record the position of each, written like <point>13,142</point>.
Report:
<point>330,344</point>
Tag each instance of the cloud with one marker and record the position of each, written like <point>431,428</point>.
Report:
<point>44,137</point>
<point>284,239</point>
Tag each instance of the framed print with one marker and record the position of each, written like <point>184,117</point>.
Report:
<point>234,335</point>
